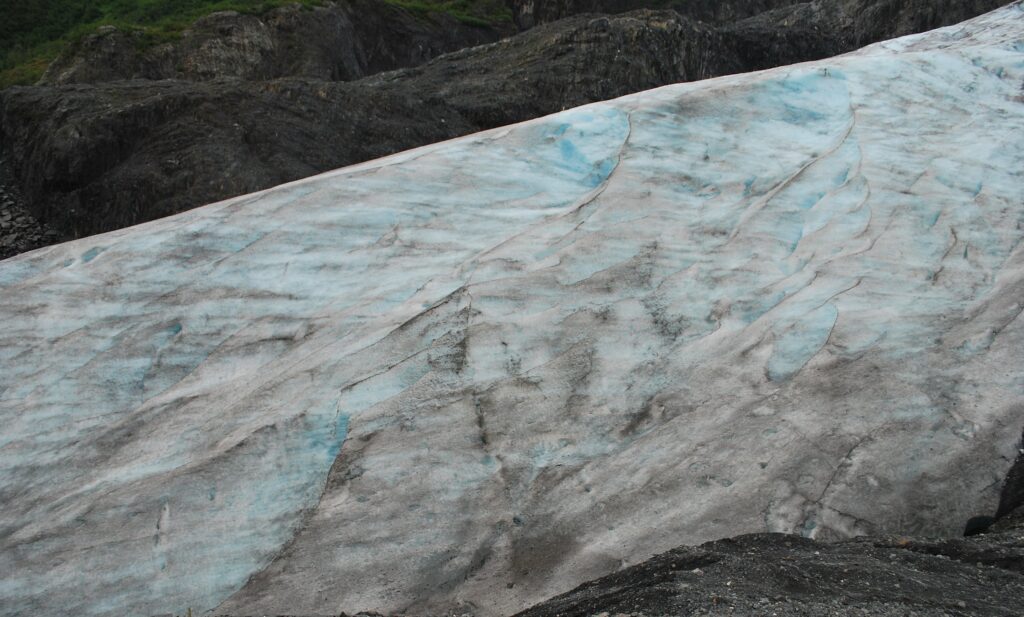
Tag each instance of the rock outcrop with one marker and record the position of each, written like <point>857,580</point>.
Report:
<point>822,28</point>
<point>340,41</point>
<point>775,574</point>
<point>19,230</point>
<point>530,13</point>
<point>95,157</point>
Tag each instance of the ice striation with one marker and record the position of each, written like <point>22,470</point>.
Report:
<point>479,373</point>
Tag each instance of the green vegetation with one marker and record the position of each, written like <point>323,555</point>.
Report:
<point>476,12</point>
<point>33,32</point>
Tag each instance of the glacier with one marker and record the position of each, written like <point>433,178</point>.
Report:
<point>474,375</point>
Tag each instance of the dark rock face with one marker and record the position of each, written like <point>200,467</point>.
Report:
<point>978,525</point>
<point>823,28</point>
<point>853,22</point>
<point>339,41</point>
<point>95,157</point>
<point>775,574</point>
<point>530,13</point>
<point>19,230</point>
<point>566,64</point>
<point>1012,498</point>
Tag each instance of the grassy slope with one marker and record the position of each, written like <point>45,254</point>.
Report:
<point>33,32</point>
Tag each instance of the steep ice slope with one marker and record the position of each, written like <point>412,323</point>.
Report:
<point>484,371</point>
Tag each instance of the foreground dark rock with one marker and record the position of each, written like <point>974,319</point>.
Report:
<point>775,574</point>
<point>95,157</point>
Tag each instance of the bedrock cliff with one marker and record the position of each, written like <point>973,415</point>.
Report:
<point>90,158</point>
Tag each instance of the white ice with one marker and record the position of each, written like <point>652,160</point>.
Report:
<point>479,373</point>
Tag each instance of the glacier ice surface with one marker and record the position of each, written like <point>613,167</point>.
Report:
<point>478,373</point>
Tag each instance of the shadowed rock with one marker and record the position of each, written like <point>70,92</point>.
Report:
<point>1012,497</point>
